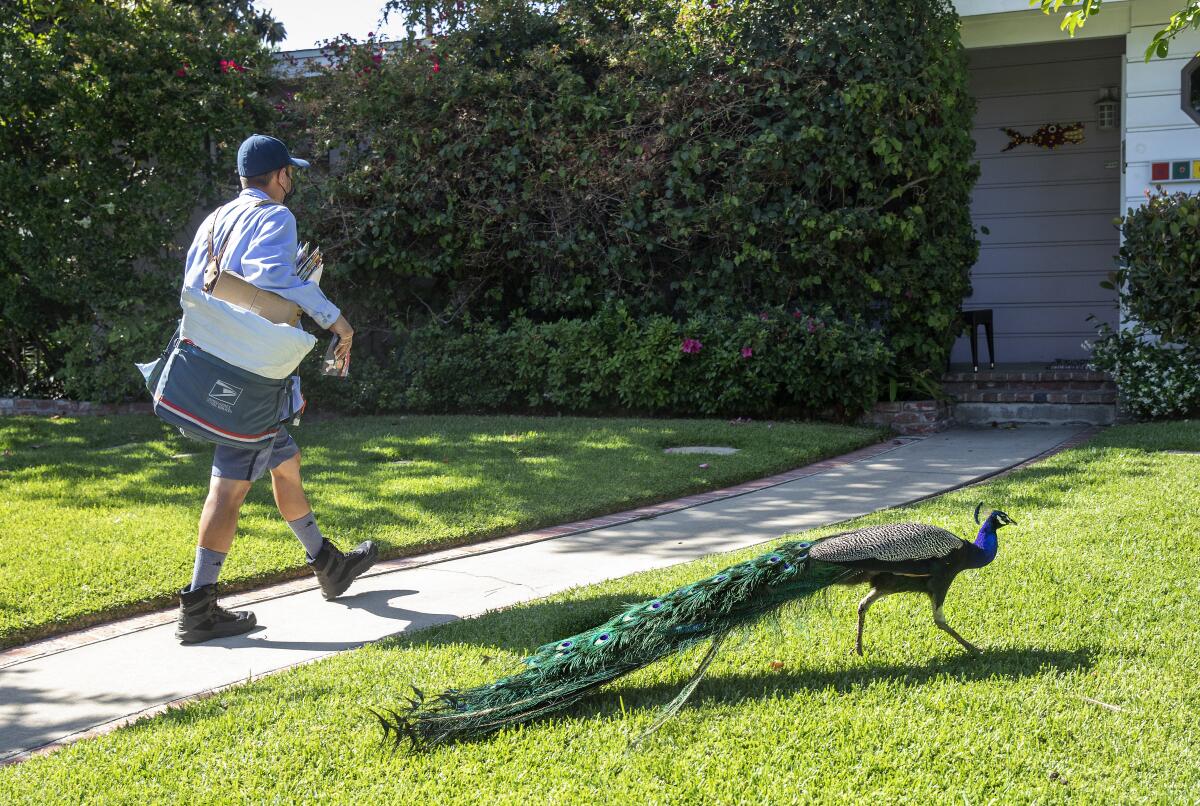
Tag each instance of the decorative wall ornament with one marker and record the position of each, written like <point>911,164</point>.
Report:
<point>1050,135</point>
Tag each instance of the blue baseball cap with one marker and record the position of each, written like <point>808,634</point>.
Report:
<point>260,154</point>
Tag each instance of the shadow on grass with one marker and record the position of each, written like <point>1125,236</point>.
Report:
<point>1003,664</point>
<point>736,689</point>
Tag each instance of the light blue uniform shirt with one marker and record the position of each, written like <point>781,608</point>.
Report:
<point>261,249</point>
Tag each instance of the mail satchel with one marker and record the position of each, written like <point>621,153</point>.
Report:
<point>214,401</point>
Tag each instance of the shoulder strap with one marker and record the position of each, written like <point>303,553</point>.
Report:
<point>215,260</point>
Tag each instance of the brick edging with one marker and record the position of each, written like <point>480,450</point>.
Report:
<point>113,629</point>
<point>41,407</point>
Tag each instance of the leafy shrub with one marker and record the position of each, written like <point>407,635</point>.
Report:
<point>1160,271</point>
<point>542,160</point>
<point>774,361</point>
<point>117,120</point>
<point>1156,380</point>
<point>1156,361</point>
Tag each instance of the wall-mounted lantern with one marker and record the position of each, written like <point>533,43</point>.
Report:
<point>1106,109</point>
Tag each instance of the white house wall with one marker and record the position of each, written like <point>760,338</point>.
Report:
<point>1053,253</point>
<point>1156,127</point>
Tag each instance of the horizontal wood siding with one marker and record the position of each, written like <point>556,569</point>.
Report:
<point>1049,213</point>
<point>1156,127</point>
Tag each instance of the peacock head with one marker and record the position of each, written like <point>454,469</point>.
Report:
<point>986,539</point>
<point>994,520</point>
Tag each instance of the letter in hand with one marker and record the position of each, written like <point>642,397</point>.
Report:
<point>337,357</point>
<point>332,365</point>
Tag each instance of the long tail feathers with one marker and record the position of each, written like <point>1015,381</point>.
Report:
<point>559,674</point>
<point>672,708</point>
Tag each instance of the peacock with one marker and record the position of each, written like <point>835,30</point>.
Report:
<point>891,559</point>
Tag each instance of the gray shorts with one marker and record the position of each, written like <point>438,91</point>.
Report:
<point>245,464</point>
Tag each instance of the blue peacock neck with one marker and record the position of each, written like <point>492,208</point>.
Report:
<point>987,541</point>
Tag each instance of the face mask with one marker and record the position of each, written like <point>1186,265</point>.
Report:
<point>291,191</point>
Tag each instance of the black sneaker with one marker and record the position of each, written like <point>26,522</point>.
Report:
<point>202,619</point>
<point>335,571</point>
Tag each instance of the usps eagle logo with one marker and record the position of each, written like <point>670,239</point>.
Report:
<point>225,393</point>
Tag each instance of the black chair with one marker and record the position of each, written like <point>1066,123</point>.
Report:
<point>972,320</point>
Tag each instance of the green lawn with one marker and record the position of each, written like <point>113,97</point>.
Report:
<point>98,515</point>
<point>1093,595</point>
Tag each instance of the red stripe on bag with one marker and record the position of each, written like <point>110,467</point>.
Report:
<point>201,421</point>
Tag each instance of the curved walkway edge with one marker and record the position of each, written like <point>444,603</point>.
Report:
<point>62,689</point>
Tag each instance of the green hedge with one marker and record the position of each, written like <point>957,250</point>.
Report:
<point>537,165</point>
<point>773,362</point>
<point>684,158</point>
<point>118,120</point>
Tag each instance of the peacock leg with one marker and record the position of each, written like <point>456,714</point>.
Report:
<point>940,620</point>
<point>863,606</point>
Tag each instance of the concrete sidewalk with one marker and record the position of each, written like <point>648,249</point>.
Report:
<point>63,689</point>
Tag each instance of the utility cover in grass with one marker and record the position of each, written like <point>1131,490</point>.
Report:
<point>702,449</point>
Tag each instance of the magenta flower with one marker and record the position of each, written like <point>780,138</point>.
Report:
<point>437,66</point>
<point>763,316</point>
<point>796,314</point>
<point>811,327</point>
<point>747,352</point>
<point>691,346</point>
<point>377,58</point>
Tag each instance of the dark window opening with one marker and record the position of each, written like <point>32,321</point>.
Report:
<point>1190,89</point>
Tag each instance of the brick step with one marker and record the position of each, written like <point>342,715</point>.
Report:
<point>1026,376</point>
<point>1009,395</point>
<point>1037,386</point>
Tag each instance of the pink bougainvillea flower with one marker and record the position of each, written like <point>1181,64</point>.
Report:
<point>224,65</point>
<point>181,72</point>
<point>377,58</point>
<point>747,352</point>
<point>691,346</point>
<point>437,67</point>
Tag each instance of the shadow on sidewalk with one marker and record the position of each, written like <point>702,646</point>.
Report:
<point>377,603</point>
